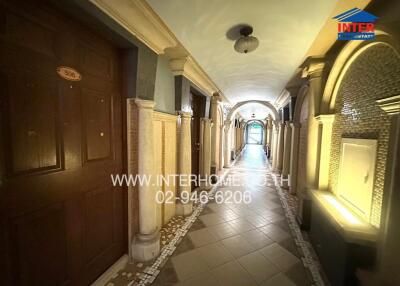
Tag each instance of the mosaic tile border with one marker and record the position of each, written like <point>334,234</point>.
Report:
<point>309,259</point>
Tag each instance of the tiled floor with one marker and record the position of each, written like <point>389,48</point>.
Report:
<point>239,244</point>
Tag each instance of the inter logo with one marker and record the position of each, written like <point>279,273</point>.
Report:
<point>356,24</point>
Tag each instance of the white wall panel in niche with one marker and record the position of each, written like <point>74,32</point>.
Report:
<point>357,173</point>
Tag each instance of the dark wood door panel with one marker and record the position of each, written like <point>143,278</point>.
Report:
<point>38,243</point>
<point>97,115</point>
<point>33,123</point>
<point>60,141</point>
<point>198,105</point>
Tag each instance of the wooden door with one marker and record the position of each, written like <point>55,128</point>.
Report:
<point>198,103</point>
<point>62,222</point>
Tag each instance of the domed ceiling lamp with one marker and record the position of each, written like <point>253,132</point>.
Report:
<point>246,43</point>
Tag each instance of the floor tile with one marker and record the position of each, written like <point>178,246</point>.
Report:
<point>279,256</point>
<point>222,231</point>
<point>257,220</point>
<point>258,266</point>
<point>241,225</point>
<point>233,274</point>
<point>188,265</point>
<point>214,254</point>
<point>238,246</point>
<point>257,238</point>
<point>278,280</point>
<point>275,232</point>
<point>205,278</point>
<point>202,237</point>
<point>211,219</point>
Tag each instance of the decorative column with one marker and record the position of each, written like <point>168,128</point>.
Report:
<point>214,132</point>
<point>286,154</point>
<point>269,137</point>
<point>238,139</point>
<point>314,70</point>
<point>326,122</point>
<point>227,143</point>
<point>185,163</point>
<point>221,147</point>
<point>206,149</point>
<point>146,244</point>
<point>265,130</point>
<point>242,135</point>
<point>294,156</point>
<point>280,147</point>
<point>201,148</point>
<point>275,146</point>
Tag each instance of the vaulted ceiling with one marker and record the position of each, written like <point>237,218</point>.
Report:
<point>285,29</point>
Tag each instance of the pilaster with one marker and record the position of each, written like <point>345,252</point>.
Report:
<point>214,132</point>
<point>227,143</point>
<point>280,145</point>
<point>294,155</point>
<point>286,153</point>
<point>206,154</point>
<point>185,163</point>
<point>326,122</point>
<point>146,244</point>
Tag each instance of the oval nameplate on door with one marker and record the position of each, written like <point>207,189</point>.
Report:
<point>69,73</point>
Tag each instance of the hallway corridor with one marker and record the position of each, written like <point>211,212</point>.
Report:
<point>203,142</point>
<point>239,243</point>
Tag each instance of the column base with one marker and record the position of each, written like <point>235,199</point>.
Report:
<point>146,247</point>
<point>184,209</point>
<point>285,182</point>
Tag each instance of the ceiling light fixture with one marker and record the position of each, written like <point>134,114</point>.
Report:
<point>246,43</point>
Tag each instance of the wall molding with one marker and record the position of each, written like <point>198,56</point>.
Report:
<point>187,66</point>
<point>161,116</point>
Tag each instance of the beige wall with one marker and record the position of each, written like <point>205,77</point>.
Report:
<point>165,149</point>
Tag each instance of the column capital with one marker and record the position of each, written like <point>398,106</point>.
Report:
<point>215,97</point>
<point>391,105</point>
<point>288,123</point>
<point>185,114</point>
<point>144,104</point>
<point>206,119</point>
<point>325,118</point>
